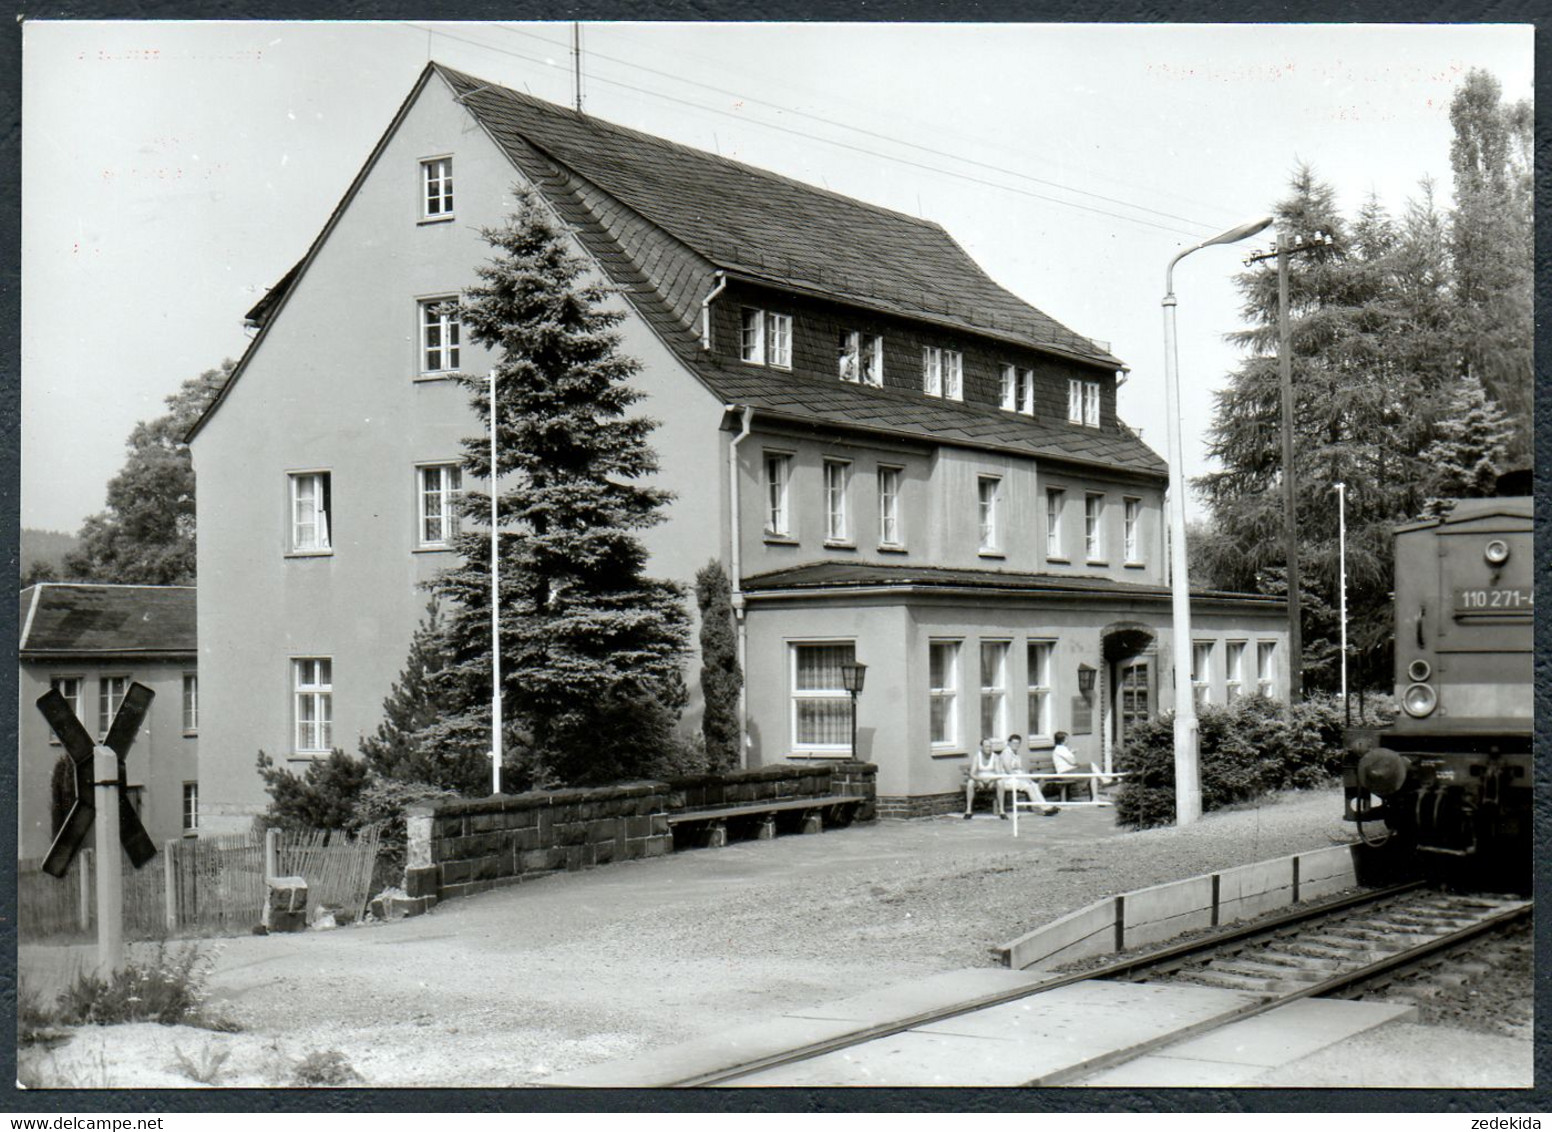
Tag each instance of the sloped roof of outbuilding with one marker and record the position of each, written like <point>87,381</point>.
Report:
<point>70,619</point>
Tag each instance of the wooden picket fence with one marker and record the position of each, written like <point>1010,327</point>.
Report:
<point>200,886</point>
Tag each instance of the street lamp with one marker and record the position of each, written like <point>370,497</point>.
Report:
<point>495,604</point>
<point>1188,790</point>
<point>852,676</point>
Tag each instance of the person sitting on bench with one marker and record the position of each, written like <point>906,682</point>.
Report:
<point>1066,762</point>
<point>984,773</point>
<point>1010,762</point>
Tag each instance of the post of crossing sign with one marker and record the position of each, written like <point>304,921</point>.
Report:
<point>101,783</point>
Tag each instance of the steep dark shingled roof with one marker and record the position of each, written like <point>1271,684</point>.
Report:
<point>764,225</point>
<point>824,575</point>
<point>69,620</point>
<point>653,214</point>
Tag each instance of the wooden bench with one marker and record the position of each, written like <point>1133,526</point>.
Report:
<point>1045,774</point>
<point>717,818</point>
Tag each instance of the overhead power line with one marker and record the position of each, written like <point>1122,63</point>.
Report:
<point>1192,233</point>
<point>866,132</point>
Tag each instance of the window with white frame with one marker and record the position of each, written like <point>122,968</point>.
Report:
<point>821,706</point>
<point>436,179</point>
<point>312,681</point>
<point>1266,667</point>
<point>1234,671</point>
<point>1094,526</point>
<point>1091,404</point>
<point>1131,529</point>
<point>437,489</point>
<point>1201,672</point>
<point>70,688</point>
<point>861,357</point>
<point>1074,401</point>
<point>190,807</point>
<point>943,692</point>
<point>932,371</point>
<point>1040,663</point>
<point>778,476</point>
<point>1018,390</point>
<point>994,689</point>
<point>837,481</point>
<point>1055,498</point>
<point>889,532</point>
<point>943,373</point>
<point>190,703</point>
<point>953,375</point>
<point>441,335</point>
<point>311,511</point>
<point>989,498</point>
<point>110,694</point>
<point>765,338</point>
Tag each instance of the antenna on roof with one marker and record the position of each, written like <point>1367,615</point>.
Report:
<point>464,98</point>
<point>576,61</point>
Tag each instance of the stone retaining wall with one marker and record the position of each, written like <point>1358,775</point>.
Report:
<point>460,847</point>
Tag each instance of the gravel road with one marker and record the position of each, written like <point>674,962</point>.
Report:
<point>512,985</point>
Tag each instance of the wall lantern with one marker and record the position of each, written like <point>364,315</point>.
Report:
<point>1086,676</point>
<point>852,675</point>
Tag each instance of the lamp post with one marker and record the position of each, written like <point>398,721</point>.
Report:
<point>852,676</point>
<point>1341,543</point>
<point>1188,790</point>
<point>495,604</point>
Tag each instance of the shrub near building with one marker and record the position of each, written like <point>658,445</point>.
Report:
<point>1247,749</point>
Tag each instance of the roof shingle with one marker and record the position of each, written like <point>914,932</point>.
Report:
<point>69,619</point>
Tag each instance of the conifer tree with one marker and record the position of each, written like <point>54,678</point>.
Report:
<point>1470,452</point>
<point>721,677</point>
<point>400,750</point>
<point>592,649</point>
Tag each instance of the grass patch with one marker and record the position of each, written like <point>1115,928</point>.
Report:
<point>167,987</point>
<point>325,1068</point>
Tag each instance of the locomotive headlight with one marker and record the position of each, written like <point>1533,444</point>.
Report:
<point>1419,670</point>
<point>1497,552</point>
<point>1419,700</point>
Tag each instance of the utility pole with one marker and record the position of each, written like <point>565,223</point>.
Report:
<point>1281,252</point>
<point>576,63</point>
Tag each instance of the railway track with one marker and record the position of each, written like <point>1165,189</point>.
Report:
<point>1327,950</point>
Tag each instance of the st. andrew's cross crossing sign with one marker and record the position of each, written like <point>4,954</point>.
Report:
<point>78,744</point>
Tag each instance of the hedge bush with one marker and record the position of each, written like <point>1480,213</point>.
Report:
<point>1245,750</point>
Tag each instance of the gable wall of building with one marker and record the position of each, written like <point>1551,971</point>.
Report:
<point>336,386</point>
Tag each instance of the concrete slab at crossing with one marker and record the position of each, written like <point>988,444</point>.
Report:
<point>1242,1051</point>
<point>1026,1042</point>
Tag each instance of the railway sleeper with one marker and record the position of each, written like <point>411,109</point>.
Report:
<point>1348,944</point>
<point>1228,982</point>
<point>1329,958</point>
<point>1252,970</point>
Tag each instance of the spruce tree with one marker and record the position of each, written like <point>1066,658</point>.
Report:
<point>1470,452</point>
<point>400,750</point>
<point>721,677</point>
<point>1371,361</point>
<point>592,648</point>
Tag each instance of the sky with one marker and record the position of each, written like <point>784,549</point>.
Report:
<point>173,171</point>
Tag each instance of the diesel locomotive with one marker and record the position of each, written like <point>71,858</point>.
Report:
<point>1447,788</point>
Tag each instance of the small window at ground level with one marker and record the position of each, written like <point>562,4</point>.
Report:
<point>821,706</point>
<point>313,684</point>
<point>943,692</point>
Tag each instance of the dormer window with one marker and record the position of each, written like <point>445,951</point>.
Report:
<point>765,338</point>
<point>436,179</point>
<point>1083,402</point>
<point>943,373</point>
<point>1018,390</point>
<point>861,358</point>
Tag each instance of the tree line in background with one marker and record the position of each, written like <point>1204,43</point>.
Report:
<point>1411,357</point>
